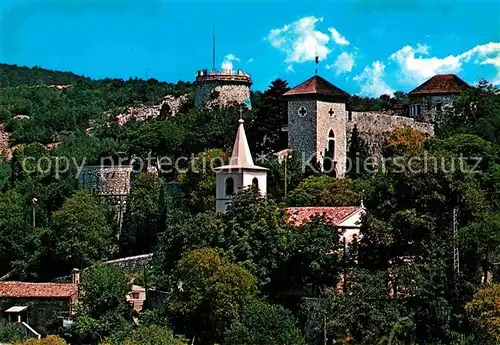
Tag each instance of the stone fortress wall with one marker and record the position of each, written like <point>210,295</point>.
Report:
<point>374,127</point>
<point>221,88</point>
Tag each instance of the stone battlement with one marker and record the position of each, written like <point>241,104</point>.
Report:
<point>225,75</point>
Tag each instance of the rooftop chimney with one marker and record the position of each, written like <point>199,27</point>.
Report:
<point>75,274</point>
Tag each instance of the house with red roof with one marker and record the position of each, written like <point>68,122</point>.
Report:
<point>430,99</point>
<point>36,304</point>
<point>345,218</point>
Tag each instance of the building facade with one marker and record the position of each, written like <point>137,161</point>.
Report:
<point>241,173</point>
<point>319,125</point>
<point>430,100</point>
<point>317,118</point>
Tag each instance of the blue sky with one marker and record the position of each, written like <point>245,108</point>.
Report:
<point>365,47</point>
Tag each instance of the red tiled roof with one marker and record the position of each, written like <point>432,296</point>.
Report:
<point>334,215</point>
<point>317,86</point>
<point>37,290</point>
<point>441,84</point>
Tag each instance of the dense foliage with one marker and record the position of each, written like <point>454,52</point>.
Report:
<point>248,276</point>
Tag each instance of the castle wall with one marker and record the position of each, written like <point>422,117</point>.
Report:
<point>221,93</point>
<point>374,127</point>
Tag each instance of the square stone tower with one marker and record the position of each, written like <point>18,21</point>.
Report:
<point>317,119</point>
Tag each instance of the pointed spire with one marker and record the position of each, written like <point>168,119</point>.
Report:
<point>241,155</point>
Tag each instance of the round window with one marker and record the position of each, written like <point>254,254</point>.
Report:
<point>302,111</point>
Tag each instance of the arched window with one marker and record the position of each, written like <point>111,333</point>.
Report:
<point>229,186</point>
<point>255,183</point>
<point>329,158</point>
<point>331,144</point>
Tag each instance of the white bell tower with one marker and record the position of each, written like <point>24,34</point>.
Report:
<point>239,174</point>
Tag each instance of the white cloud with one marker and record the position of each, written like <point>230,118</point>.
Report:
<point>371,80</point>
<point>228,61</point>
<point>495,62</point>
<point>338,38</point>
<point>290,69</point>
<point>343,64</point>
<point>300,40</point>
<point>250,60</point>
<point>417,65</point>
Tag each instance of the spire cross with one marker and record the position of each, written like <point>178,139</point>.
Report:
<point>241,113</point>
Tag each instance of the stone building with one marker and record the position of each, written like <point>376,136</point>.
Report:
<point>239,174</point>
<point>317,119</point>
<point>222,88</point>
<point>319,124</point>
<point>429,100</point>
<point>33,305</point>
<point>106,180</point>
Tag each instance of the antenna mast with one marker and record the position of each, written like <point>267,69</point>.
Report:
<point>213,48</point>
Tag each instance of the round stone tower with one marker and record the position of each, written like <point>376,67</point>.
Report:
<point>222,88</point>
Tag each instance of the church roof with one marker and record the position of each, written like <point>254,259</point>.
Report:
<point>241,158</point>
<point>333,215</point>
<point>317,86</point>
<point>441,84</point>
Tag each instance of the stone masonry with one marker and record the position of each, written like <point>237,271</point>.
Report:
<point>429,108</point>
<point>168,108</point>
<point>374,127</point>
<point>4,142</point>
<point>309,132</point>
<point>222,88</point>
<point>106,181</point>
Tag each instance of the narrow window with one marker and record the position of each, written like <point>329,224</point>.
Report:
<point>331,144</point>
<point>255,183</point>
<point>229,186</point>
<point>438,107</point>
<point>419,110</point>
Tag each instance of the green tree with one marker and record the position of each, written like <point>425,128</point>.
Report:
<point>198,180</point>
<point>17,237</point>
<point>484,314</point>
<point>145,215</point>
<point>80,233</point>
<point>256,233</point>
<point>357,155</point>
<point>264,324</point>
<point>363,314</point>
<point>209,293</point>
<point>323,190</point>
<point>103,308</point>
<point>271,115</point>
<point>148,335</point>
<point>481,240</point>
<point>475,111</point>
<point>311,261</point>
